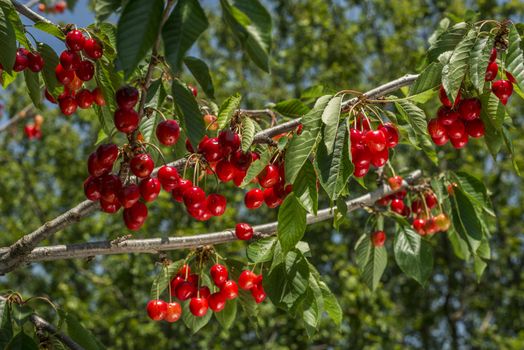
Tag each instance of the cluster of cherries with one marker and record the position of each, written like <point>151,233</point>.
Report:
<point>503,89</point>
<point>186,286</point>
<point>76,67</point>
<point>58,7</point>
<point>371,147</point>
<point>26,59</point>
<point>33,130</point>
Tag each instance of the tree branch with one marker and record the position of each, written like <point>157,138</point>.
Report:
<point>154,245</point>
<point>24,113</point>
<point>42,324</point>
<point>30,14</point>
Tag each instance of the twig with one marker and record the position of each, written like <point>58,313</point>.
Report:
<point>24,113</point>
<point>30,14</point>
<point>42,324</point>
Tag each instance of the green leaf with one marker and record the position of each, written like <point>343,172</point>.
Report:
<point>514,57</point>
<point>183,27</point>
<point>479,266</point>
<point>227,316</point>
<point>105,8</point>
<point>227,109</point>
<point>162,280</point>
<point>256,167</point>
<point>454,72</point>
<point>460,246</point>
<point>7,42</point>
<point>261,250</point>
<point>331,305</point>
<point>479,60</point>
<point>251,24</point>
<point>291,222</point>
<point>372,261</point>
<point>22,342</point>
<point>80,335</point>
<point>247,133</point>
<point>474,189</point>
<point>465,220</point>
<point>200,71</point>
<point>190,112</point>
<point>32,82</point>
<point>137,31</point>
<point>330,118</point>
<point>446,41</point>
<point>192,322</point>
<point>509,146</point>
<point>50,28</point>
<point>493,110</point>
<point>6,325</point>
<point>335,169</point>
<point>311,311</point>
<point>104,82</point>
<point>50,63</point>
<point>293,108</point>
<point>301,146</point>
<point>413,254</point>
<point>429,79</point>
<point>305,188</point>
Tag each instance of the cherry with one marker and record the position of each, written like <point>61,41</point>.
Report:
<point>135,216</point>
<point>110,186</point>
<point>493,55</point>
<point>150,188</point>
<point>75,84</point>
<point>378,238</point>
<point>174,311</point>
<point>126,120</point>
<point>469,109</point>
<point>431,227</point>
<point>179,189</point>
<point>185,290</point>
<point>379,159</point>
<point>168,132</point>
<point>271,199</point>
<point>229,140</point>
<point>254,198</point>
<point>109,207</point>
<point>475,128</point>
<point>360,171</point>
<point>210,121</point>
<point>363,123</point>
<point>451,188</point>
<point>64,76</point>
<point>442,222</point>
<point>107,154</point>
<point>211,149</point>
<point>175,282</point>
<point>129,195</point>
<point>456,130</point>
<point>225,170</point>
<point>229,289</point>
<point>60,6</point>
<point>384,201</point>
<point>67,105</point>
<point>503,90</point>
<point>375,140</point>
<point>69,60</point>
<point>491,71</point>
<point>418,225</point>
<point>238,176</point>
<point>92,188</point>
<point>400,194</point>
<point>39,120</point>
<point>397,205</point>
<point>243,231</point>
<point>436,129</point>
<point>446,116</point>
<point>93,49</point>
<point>193,89</point>
<point>356,136</point>
<point>41,7</point>
<point>510,78</point>
<point>416,206</point>
<point>460,142</point>
<point>84,99</point>
<point>126,97</point>
<point>217,301</point>
<point>204,292</point>
<point>193,195</point>
<point>219,274</point>
<point>395,182</point>
<point>391,133</point>
<point>142,165</point>
<point>269,176</point>
<point>49,97</point>
<point>300,127</point>
<point>95,167</point>
<point>98,97</point>
<point>441,141</point>
<point>241,160</point>
<point>258,293</point>
<point>216,204</point>
<point>361,155</point>
<point>75,40</point>
<point>444,97</point>
<point>246,280</point>
<point>199,211</point>
<point>156,309</point>
<point>189,146</point>
<point>168,177</point>
<point>85,70</point>
<point>36,62</point>
<point>21,60</point>
<point>198,306</point>
<point>431,200</point>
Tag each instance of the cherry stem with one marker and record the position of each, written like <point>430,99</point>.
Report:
<point>372,109</point>
<point>168,282</point>
<point>391,168</point>
<point>158,150</point>
<point>159,112</point>
<point>426,210</point>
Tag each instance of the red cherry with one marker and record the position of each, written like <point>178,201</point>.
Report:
<point>67,105</point>
<point>225,170</point>
<point>431,227</point>
<point>441,141</point>
<point>258,293</point>
<point>511,79</point>
<point>375,140</point>
<point>156,309</point>
<point>98,97</point>
<point>444,97</point>
<point>360,171</point>
<point>469,109</point>
<point>129,195</point>
<point>70,60</point>
<point>200,211</point>
<point>475,128</point>
<point>135,216</point>
<point>397,206</point>
<point>363,123</point>
<point>400,194</point>
<point>75,40</point>
<point>395,182</point>
<point>503,90</point>
<point>229,289</point>
<point>189,146</point>
<point>185,290</point>
<point>48,96</point>
<point>216,204</point>
<point>246,280</point>
<point>491,71</point>
<point>193,89</point>
<point>126,120</point>
<point>126,97</point>
<point>219,274</point>
<point>238,176</point>
<point>269,177</point>
<point>109,207</point>
<point>193,195</point>
<point>383,201</point>
<point>378,238</point>
<point>95,167</point>
<point>93,49</point>
<point>21,60</point>
<point>179,189</point>
<point>431,200</point>
<point>175,282</point>
<point>271,199</point>
<point>142,165</point>
<point>204,292</point>
<point>85,70</point>
<point>446,116</point>
<point>217,301</point>
<point>460,142</point>
<point>254,198</point>
<point>198,306</point>
<point>243,231</point>
<point>211,149</point>
<point>360,155</point>
<point>436,129</point>
<point>174,311</point>
<point>391,133</point>
<point>92,188</point>
<point>356,136</point>
<point>107,153</point>
<point>110,186</point>
<point>493,55</point>
<point>168,177</point>
<point>36,62</point>
<point>84,99</point>
<point>241,160</point>
<point>416,206</point>
<point>418,226</point>
<point>75,84</point>
<point>456,130</point>
<point>64,76</point>
<point>379,159</point>
<point>168,132</point>
<point>150,188</point>
<point>60,6</point>
<point>229,141</point>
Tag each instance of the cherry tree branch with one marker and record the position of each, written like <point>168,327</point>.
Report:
<point>155,245</point>
<point>24,113</point>
<point>42,324</point>
<point>30,14</point>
